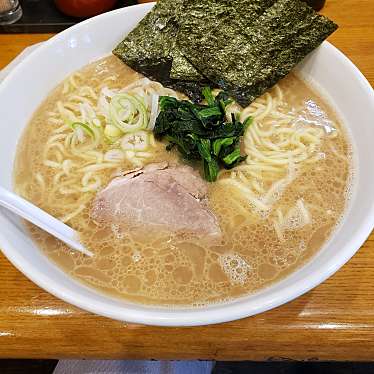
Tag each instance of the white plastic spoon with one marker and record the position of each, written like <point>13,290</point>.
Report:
<point>41,219</point>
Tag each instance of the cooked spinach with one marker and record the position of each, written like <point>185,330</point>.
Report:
<point>201,131</point>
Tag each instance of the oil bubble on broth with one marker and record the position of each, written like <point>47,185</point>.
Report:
<point>275,210</point>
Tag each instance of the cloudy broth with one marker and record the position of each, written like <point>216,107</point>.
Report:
<point>268,229</point>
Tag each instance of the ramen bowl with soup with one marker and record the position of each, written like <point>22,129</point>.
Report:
<point>266,231</point>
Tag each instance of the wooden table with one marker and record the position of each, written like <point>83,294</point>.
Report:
<point>335,321</point>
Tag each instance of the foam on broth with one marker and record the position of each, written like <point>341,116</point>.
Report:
<point>174,270</point>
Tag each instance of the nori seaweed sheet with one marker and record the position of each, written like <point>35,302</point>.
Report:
<point>181,68</point>
<point>150,47</point>
<point>242,46</point>
<point>154,36</point>
<point>239,15</point>
<point>246,61</point>
<point>152,44</point>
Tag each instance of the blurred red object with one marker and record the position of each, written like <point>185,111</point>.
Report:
<point>84,8</point>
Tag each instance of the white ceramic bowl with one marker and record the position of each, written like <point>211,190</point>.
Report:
<point>29,83</point>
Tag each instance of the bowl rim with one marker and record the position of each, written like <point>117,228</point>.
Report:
<point>151,315</point>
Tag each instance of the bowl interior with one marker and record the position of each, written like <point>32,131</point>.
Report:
<point>29,83</point>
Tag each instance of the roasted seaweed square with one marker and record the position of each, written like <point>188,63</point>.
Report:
<point>239,15</point>
<point>242,46</point>
<point>247,60</point>
<point>151,46</point>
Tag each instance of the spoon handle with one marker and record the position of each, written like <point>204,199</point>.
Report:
<point>42,219</point>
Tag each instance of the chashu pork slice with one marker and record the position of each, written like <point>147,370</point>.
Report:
<point>160,197</point>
